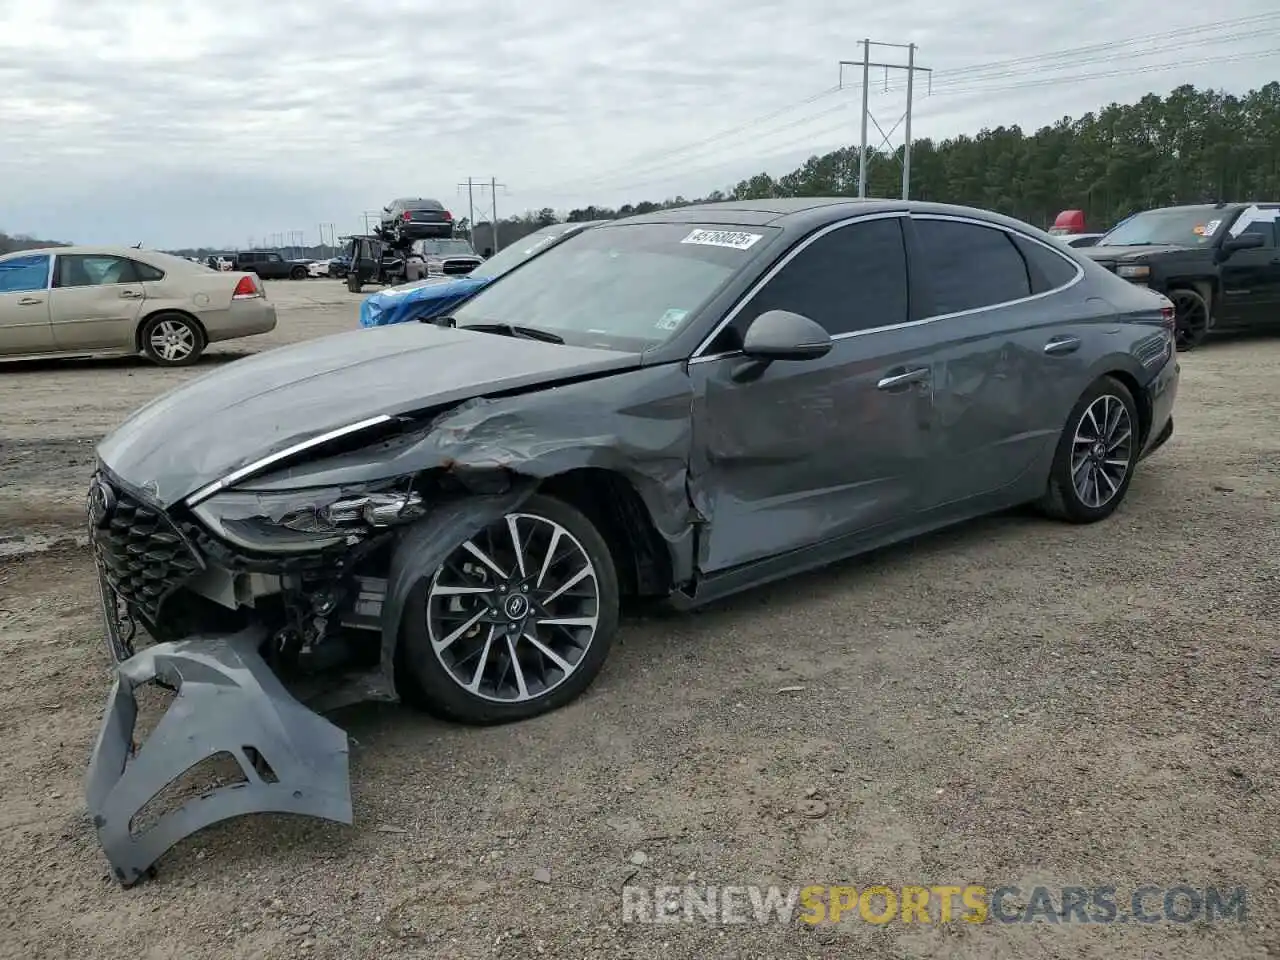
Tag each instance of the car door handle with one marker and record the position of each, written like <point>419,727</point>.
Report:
<point>1062,345</point>
<point>903,377</point>
<point>130,295</point>
<point>30,302</point>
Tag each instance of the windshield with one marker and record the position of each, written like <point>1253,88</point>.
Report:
<point>445,248</point>
<point>510,257</point>
<point>621,287</point>
<point>1176,226</point>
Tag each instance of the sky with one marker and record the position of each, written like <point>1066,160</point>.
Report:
<point>178,123</point>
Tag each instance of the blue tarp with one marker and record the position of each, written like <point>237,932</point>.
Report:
<point>417,301</point>
<point>22,274</point>
<point>436,296</point>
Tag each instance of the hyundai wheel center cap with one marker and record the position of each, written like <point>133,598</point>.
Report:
<point>516,607</point>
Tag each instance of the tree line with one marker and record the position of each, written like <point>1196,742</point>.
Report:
<point>1190,146</point>
<point>23,241</point>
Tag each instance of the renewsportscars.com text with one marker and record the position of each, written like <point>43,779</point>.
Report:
<point>969,903</point>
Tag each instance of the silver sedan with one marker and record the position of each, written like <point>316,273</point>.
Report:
<point>114,301</point>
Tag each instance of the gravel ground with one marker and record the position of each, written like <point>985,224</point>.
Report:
<point>1012,702</point>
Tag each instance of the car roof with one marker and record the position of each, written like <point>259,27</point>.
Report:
<point>1223,205</point>
<point>808,212</point>
<point>133,253</point>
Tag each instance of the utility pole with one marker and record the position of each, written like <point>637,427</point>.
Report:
<point>906,129</point>
<point>471,208</point>
<point>910,67</point>
<point>493,185</point>
<point>866,87</point>
<point>493,198</point>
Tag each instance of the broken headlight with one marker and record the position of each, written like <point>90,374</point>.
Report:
<point>303,520</point>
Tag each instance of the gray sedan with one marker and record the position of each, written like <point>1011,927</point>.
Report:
<point>680,405</point>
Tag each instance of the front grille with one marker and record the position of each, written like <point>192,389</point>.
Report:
<point>142,554</point>
<point>455,267</point>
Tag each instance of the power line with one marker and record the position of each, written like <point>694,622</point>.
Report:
<point>945,80</point>
<point>667,153</point>
<point>941,87</point>
<point>992,70</point>
<point>975,92</point>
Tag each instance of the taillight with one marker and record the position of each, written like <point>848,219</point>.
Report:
<point>448,215</point>
<point>1168,318</point>
<point>406,216</point>
<point>246,288</point>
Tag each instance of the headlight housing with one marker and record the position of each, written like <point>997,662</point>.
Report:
<point>1133,271</point>
<point>296,521</point>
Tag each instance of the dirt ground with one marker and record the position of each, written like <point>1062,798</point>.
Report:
<point>1013,702</point>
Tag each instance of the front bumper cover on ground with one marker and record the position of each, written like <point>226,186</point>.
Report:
<point>228,702</point>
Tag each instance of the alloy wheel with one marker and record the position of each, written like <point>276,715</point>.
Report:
<point>512,612</point>
<point>1102,451</point>
<point>172,340</point>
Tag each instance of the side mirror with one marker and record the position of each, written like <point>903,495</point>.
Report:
<point>1246,241</point>
<point>782,335</point>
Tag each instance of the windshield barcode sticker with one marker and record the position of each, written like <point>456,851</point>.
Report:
<point>723,238</point>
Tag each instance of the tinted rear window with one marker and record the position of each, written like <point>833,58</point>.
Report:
<point>1047,270</point>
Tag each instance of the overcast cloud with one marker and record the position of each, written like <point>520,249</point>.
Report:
<point>184,122</point>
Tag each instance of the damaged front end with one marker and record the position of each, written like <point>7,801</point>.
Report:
<point>262,607</point>
<point>284,588</point>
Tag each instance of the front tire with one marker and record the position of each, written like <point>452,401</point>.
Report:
<point>516,622</point>
<point>1096,455</point>
<point>1190,317</point>
<point>172,340</point>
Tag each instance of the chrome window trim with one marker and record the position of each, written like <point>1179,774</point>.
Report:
<point>205,492</point>
<point>699,357</point>
<point>53,265</point>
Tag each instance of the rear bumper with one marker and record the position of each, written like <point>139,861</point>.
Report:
<point>1162,392</point>
<point>244,318</point>
<point>413,230</point>
<point>228,702</point>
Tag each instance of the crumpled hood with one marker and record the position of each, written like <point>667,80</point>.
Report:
<point>416,301</point>
<point>262,404</point>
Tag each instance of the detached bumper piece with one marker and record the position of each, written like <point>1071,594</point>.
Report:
<point>228,702</point>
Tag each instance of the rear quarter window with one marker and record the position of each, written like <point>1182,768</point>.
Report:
<point>147,273</point>
<point>1048,270</point>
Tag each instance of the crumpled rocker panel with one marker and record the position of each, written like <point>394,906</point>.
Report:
<point>228,700</point>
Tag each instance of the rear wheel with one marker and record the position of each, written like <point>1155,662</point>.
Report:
<point>517,621</point>
<point>1191,317</point>
<point>298,273</point>
<point>172,340</point>
<point>1096,455</point>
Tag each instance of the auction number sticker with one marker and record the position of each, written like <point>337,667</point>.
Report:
<point>671,319</point>
<point>733,239</point>
<point>1211,227</point>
